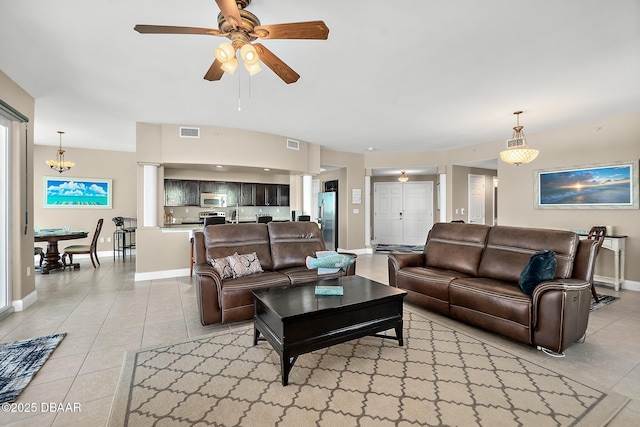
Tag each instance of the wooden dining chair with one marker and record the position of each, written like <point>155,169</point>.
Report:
<point>91,249</point>
<point>598,234</point>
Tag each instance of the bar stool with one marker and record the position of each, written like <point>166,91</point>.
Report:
<point>121,235</point>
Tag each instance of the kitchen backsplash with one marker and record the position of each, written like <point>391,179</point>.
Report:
<point>184,214</point>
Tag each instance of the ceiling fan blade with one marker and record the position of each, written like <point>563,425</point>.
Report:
<point>276,64</point>
<point>214,72</point>
<point>168,29</point>
<point>230,12</point>
<point>314,30</point>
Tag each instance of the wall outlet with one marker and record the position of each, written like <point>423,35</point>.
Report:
<point>102,240</point>
<point>186,210</point>
<point>356,211</point>
<point>462,211</point>
<point>457,212</point>
<point>28,271</point>
<point>108,239</point>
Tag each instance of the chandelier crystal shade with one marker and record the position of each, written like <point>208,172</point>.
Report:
<point>403,177</point>
<point>518,150</point>
<point>59,164</point>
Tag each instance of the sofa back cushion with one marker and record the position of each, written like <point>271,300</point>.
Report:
<point>456,246</point>
<point>292,242</point>
<point>509,249</point>
<point>227,239</point>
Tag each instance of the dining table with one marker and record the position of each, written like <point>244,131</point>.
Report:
<point>52,259</point>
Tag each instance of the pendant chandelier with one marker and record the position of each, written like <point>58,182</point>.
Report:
<point>59,164</point>
<point>518,151</point>
<point>403,177</point>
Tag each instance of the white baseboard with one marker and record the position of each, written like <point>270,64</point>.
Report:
<point>163,274</point>
<point>362,251</point>
<point>24,303</point>
<point>628,285</point>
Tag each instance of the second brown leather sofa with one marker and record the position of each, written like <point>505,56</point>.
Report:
<point>470,272</point>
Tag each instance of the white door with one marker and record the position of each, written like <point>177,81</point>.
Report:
<point>417,212</point>
<point>387,212</point>
<point>476,199</point>
<point>403,212</point>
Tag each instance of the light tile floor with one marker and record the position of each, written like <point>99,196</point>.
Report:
<point>106,313</point>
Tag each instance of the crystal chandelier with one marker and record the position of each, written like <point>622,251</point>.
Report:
<point>518,151</point>
<point>59,164</point>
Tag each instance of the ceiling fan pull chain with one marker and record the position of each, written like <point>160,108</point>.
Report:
<point>239,79</point>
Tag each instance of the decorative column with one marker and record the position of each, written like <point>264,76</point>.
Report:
<point>150,195</point>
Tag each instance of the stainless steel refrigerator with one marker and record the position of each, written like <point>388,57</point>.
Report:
<point>328,218</point>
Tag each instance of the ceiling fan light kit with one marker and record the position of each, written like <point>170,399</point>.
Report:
<point>518,150</point>
<point>242,28</point>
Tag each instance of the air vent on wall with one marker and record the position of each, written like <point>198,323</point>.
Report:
<point>292,144</point>
<point>189,132</point>
<point>516,142</point>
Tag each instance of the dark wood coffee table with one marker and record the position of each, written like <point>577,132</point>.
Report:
<point>296,321</point>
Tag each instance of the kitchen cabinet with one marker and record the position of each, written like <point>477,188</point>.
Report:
<point>233,193</point>
<point>266,194</point>
<point>207,187</point>
<point>247,194</point>
<point>178,192</point>
<point>283,195</point>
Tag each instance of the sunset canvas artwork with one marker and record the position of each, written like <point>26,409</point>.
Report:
<point>610,185</point>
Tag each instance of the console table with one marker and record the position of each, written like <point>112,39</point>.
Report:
<point>616,244</point>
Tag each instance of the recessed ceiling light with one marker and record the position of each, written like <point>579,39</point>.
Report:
<point>219,166</point>
<point>266,169</point>
<point>370,149</point>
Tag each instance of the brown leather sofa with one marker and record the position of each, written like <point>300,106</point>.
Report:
<point>470,272</point>
<point>281,248</point>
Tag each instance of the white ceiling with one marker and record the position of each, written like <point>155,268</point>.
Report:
<point>396,76</point>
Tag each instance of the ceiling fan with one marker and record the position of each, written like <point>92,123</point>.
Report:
<point>242,27</point>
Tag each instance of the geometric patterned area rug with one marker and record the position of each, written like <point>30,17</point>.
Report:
<point>20,361</point>
<point>439,377</point>
<point>602,301</point>
<point>406,249</point>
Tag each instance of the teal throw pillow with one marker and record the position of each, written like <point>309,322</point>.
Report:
<point>540,267</point>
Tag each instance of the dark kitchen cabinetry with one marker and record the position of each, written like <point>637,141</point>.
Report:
<point>233,193</point>
<point>266,194</point>
<point>183,192</point>
<point>247,194</point>
<point>178,192</point>
<point>283,195</point>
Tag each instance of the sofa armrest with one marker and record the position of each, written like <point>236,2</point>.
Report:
<point>397,262</point>
<point>208,291</point>
<point>560,313</point>
<point>352,268</point>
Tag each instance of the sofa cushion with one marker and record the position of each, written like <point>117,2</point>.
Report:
<point>483,302</point>
<point>292,242</point>
<point>222,267</point>
<point>509,249</point>
<point>540,267</point>
<point>228,239</point>
<point>457,247</point>
<point>245,264</point>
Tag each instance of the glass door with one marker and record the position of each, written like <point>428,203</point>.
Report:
<point>5,194</point>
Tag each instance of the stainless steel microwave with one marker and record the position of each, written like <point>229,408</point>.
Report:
<point>213,200</point>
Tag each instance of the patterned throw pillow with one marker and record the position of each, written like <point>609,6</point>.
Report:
<point>243,265</point>
<point>222,267</point>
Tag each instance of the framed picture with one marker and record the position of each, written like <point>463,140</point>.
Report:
<point>76,193</point>
<point>608,186</point>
